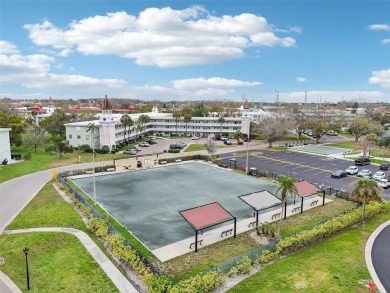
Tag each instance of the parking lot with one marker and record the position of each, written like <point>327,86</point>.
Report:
<point>314,168</point>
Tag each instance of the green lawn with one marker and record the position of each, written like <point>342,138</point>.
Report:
<point>42,161</point>
<point>335,264</point>
<point>57,263</point>
<point>195,147</point>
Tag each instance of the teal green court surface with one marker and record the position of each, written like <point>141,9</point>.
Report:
<point>147,202</point>
<point>321,149</point>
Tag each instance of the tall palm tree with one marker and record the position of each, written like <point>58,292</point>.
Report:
<point>238,135</point>
<point>176,115</point>
<point>187,119</point>
<point>286,186</point>
<point>127,122</point>
<point>221,120</point>
<point>138,128</point>
<point>91,127</point>
<point>366,190</point>
<point>144,119</point>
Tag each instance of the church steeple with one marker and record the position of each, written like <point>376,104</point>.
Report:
<point>107,108</point>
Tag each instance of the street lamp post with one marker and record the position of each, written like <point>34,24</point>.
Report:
<point>26,250</point>
<point>247,145</point>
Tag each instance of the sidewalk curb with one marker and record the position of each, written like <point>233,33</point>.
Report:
<point>9,283</point>
<point>368,257</point>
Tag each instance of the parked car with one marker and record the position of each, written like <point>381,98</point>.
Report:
<point>223,138</point>
<point>217,137</point>
<point>195,137</point>
<point>331,133</point>
<point>227,141</point>
<point>338,174</point>
<point>144,144</point>
<point>362,161</point>
<point>384,166</point>
<point>247,139</point>
<point>379,175</point>
<point>137,148</point>
<point>151,141</point>
<point>130,152</point>
<point>182,144</point>
<point>176,146</point>
<point>352,170</point>
<point>384,183</point>
<point>365,173</point>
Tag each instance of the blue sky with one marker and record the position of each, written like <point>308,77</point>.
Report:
<point>184,50</point>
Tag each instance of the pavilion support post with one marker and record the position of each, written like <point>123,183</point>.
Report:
<point>285,210</point>
<point>235,226</point>
<point>196,240</point>
<point>257,219</point>
<point>301,205</point>
<point>323,197</point>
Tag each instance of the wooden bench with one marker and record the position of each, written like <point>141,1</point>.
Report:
<point>110,169</point>
<point>226,232</point>
<point>314,202</point>
<point>89,172</point>
<point>252,224</point>
<point>297,209</point>
<point>178,160</point>
<point>275,216</point>
<point>163,162</point>
<point>193,243</point>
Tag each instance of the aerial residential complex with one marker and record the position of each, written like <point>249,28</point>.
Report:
<point>109,131</point>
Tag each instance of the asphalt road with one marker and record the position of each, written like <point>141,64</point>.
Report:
<point>313,168</point>
<point>381,257</point>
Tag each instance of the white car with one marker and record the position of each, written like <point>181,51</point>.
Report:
<point>195,137</point>
<point>379,175</point>
<point>364,173</point>
<point>144,144</point>
<point>384,183</point>
<point>352,170</point>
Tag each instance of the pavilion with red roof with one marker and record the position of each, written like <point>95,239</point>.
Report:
<point>206,216</point>
<point>305,189</point>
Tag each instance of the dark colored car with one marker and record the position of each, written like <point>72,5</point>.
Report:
<point>176,146</point>
<point>362,161</point>
<point>338,174</point>
<point>384,166</point>
<point>247,139</point>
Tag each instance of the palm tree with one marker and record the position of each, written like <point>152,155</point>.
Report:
<point>176,115</point>
<point>143,119</point>
<point>366,190</point>
<point>91,127</point>
<point>221,120</point>
<point>187,119</point>
<point>138,128</point>
<point>238,135</point>
<point>286,186</point>
<point>127,122</point>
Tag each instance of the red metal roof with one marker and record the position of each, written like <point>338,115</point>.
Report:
<point>305,188</point>
<point>206,215</point>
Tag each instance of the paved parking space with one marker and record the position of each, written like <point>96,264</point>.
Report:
<point>314,168</point>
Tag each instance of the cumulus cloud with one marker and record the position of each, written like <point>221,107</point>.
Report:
<point>8,48</point>
<point>386,41</point>
<point>379,27</point>
<point>163,37</point>
<point>381,77</point>
<point>214,82</point>
<point>301,79</point>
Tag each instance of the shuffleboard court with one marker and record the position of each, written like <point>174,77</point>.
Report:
<point>147,202</point>
<point>321,149</point>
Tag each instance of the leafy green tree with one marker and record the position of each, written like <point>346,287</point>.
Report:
<point>286,186</point>
<point>221,120</point>
<point>300,118</point>
<point>200,110</point>
<point>367,190</point>
<point>17,125</point>
<point>361,125</point>
<point>238,135</point>
<point>187,119</point>
<point>127,122</point>
<point>176,115</point>
<point>210,147</point>
<point>355,106</point>
<point>318,125</point>
<point>34,137</point>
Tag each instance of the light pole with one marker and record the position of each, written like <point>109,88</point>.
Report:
<point>26,250</point>
<point>247,145</point>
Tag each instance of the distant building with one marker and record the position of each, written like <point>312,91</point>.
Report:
<point>109,131</point>
<point>5,145</point>
<point>45,112</point>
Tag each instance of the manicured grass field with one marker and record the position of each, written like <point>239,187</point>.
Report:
<point>335,264</point>
<point>42,161</point>
<point>57,263</point>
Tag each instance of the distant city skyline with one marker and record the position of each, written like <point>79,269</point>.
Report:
<point>203,50</point>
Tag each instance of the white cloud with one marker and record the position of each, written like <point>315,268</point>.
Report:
<point>162,37</point>
<point>8,48</point>
<point>379,27</point>
<point>301,79</point>
<point>214,82</point>
<point>381,77</point>
<point>386,41</point>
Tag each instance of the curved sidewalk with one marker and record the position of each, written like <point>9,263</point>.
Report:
<point>377,255</point>
<point>108,267</point>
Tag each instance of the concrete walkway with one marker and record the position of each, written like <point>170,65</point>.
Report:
<point>182,247</point>
<point>112,272</point>
<point>6,284</point>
